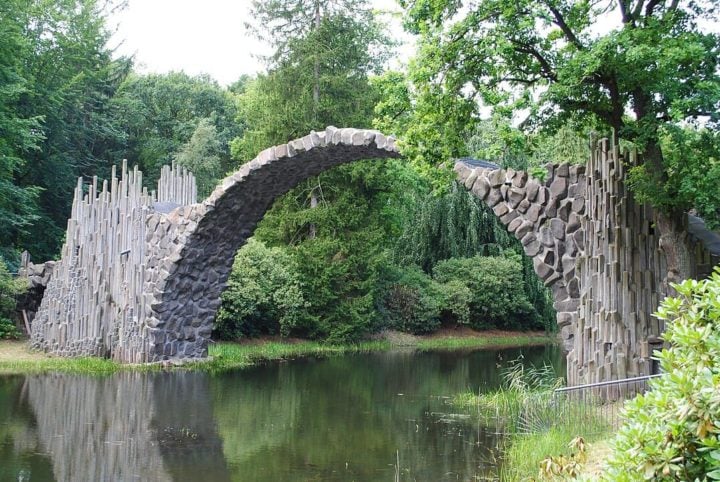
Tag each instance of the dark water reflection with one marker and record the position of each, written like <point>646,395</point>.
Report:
<point>337,419</point>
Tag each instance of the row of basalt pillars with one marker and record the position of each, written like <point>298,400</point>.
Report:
<point>94,300</point>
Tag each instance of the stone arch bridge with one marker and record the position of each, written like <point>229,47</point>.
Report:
<point>141,273</point>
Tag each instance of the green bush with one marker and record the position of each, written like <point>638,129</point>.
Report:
<point>8,330</point>
<point>494,294</point>
<point>672,432</point>
<point>263,296</point>
<point>412,302</point>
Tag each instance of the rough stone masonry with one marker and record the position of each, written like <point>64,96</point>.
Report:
<point>141,274</point>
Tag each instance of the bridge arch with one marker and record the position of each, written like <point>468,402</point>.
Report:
<point>140,277</point>
<point>196,244</point>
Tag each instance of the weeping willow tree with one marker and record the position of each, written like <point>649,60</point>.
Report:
<point>455,225</point>
<point>459,225</point>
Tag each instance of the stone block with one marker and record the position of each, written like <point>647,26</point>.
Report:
<point>564,208</point>
<point>520,179</point>
<point>524,229</point>
<point>578,205</point>
<point>501,209</point>
<point>533,213</point>
<point>546,237</point>
<point>577,173</point>
<point>523,206</point>
<point>470,179</point>
<point>532,248</point>
<point>531,189</point>
<point>508,217</point>
<point>543,270</point>
<point>494,197</point>
<point>562,170</point>
<point>514,196</point>
<point>514,224</point>
<point>559,187</point>
<point>558,228</point>
<point>496,178</point>
<point>481,187</point>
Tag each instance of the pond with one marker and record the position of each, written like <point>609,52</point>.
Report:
<point>349,418</point>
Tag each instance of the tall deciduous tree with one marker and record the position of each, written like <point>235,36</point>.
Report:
<point>653,69</point>
<point>160,113</point>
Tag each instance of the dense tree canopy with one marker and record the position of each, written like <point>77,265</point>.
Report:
<point>652,71</point>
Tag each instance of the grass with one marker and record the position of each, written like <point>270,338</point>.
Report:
<point>540,427</point>
<point>16,358</point>
<point>456,343</point>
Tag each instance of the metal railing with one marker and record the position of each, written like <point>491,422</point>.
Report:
<point>598,404</point>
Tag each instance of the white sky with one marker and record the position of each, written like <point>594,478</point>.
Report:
<point>206,36</point>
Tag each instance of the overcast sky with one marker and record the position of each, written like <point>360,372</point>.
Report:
<point>200,36</point>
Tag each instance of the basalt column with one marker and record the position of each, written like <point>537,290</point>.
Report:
<point>597,250</point>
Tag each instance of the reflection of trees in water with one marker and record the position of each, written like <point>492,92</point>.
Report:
<point>129,426</point>
<point>336,419</point>
<point>310,418</point>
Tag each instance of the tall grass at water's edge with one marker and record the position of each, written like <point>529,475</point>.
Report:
<point>538,424</point>
<point>229,356</point>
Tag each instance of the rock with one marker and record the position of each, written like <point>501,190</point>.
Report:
<point>558,187</point>
<point>481,187</point>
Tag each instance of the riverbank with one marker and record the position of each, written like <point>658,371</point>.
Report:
<point>17,358</point>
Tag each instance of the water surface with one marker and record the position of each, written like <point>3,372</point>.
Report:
<point>347,418</point>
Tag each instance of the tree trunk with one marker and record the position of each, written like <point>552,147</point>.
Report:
<point>315,108</point>
<point>316,67</point>
<point>675,246</point>
<point>672,227</point>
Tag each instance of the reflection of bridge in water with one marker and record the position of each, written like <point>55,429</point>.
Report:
<point>127,427</point>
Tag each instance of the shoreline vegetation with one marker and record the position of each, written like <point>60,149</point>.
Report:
<point>548,438</point>
<point>17,358</point>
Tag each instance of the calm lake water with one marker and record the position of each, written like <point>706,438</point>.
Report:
<point>336,419</point>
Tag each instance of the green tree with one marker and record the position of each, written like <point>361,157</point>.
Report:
<point>68,78</point>
<point>338,226</point>
<point>18,134</point>
<point>10,289</point>
<point>202,156</point>
<point>160,113</point>
<point>654,69</point>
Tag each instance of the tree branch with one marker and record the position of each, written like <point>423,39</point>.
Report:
<point>651,7</point>
<point>560,22</point>
<point>545,66</point>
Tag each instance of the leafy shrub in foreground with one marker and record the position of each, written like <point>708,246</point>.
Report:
<point>672,433</point>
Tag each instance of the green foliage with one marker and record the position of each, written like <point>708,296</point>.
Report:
<point>202,155</point>
<point>263,296</point>
<point>456,224</point>
<point>544,65</point>
<point>10,289</point>
<point>693,160</point>
<point>498,299</point>
<point>169,115</point>
<point>673,431</point>
<point>412,302</point>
